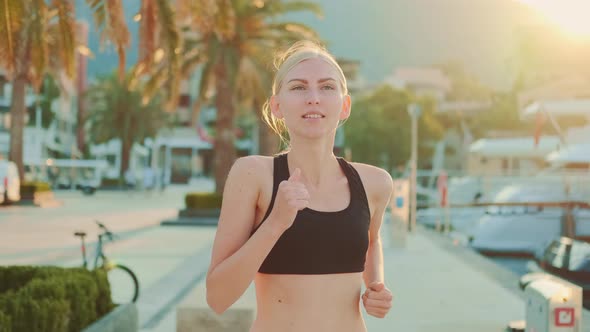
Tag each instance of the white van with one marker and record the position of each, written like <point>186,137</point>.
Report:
<point>9,182</point>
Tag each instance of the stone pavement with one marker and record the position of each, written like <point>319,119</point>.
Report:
<point>168,262</point>
<point>437,284</point>
<point>437,287</point>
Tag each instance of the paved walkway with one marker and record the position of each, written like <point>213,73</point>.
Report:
<point>437,285</point>
<point>439,288</point>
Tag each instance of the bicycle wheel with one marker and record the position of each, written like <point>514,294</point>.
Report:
<point>124,284</point>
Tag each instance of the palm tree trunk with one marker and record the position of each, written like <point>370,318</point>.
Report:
<point>125,154</point>
<point>80,132</point>
<point>268,139</point>
<point>17,123</point>
<point>224,148</point>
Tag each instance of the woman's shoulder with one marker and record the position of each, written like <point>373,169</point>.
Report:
<point>252,168</point>
<point>377,181</point>
<point>253,165</point>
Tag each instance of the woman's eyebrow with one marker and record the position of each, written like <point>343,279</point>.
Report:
<point>321,80</point>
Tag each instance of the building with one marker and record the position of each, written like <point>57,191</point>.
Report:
<point>509,156</point>
<point>423,81</point>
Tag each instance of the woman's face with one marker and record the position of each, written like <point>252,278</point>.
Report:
<point>311,101</point>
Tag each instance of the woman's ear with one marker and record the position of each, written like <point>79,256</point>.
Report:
<point>274,107</point>
<point>346,105</point>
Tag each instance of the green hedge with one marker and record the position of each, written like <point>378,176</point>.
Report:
<point>34,187</point>
<point>52,298</point>
<point>5,325</point>
<point>203,200</point>
<point>111,183</point>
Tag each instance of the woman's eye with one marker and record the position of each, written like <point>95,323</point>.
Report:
<point>297,87</point>
<point>328,87</point>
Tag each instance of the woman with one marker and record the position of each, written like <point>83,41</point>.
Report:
<point>304,225</point>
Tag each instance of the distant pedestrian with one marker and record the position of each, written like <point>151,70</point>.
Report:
<point>149,179</point>
<point>304,224</point>
<point>162,181</point>
<point>130,181</point>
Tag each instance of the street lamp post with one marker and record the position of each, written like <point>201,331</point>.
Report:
<point>414,112</point>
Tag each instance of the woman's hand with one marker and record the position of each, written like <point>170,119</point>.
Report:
<point>292,196</point>
<point>377,299</point>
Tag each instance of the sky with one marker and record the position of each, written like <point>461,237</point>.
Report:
<point>569,15</point>
<point>385,34</point>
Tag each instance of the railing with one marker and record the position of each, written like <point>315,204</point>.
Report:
<point>464,189</point>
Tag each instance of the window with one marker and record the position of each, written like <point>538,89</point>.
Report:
<point>184,100</point>
<point>580,257</point>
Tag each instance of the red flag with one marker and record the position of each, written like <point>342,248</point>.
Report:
<point>203,134</point>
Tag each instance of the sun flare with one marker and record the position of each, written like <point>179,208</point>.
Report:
<point>572,16</point>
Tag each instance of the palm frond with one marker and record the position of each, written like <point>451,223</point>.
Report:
<point>11,21</point>
<point>206,84</point>
<point>225,20</point>
<point>287,31</point>
<point>66,35</point>
<point>110,21</point>
<point>117,112</point>
<point>250,83</point>
<point>280,7</point>
<point>170,36</point>
<point>190,62</point>
<point>202,15</point>
<point>37,33</point>
<point>155,82</point>
<point>147,30</point>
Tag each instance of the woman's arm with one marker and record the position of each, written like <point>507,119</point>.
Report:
<point>236,256</point>
<point>377,297</point>
<point>379,189</point>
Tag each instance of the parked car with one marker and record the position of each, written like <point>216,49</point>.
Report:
<point>9,182</point>
<point>565,258</point>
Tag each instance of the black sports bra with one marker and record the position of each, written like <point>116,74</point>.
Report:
<point>321,242</point>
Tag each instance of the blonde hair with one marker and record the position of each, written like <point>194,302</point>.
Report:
<point>284,62</point>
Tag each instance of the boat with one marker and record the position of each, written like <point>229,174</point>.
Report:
<point>538,209</point>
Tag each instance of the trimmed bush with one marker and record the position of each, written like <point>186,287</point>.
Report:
<point>52,298</point>
<point>111,183</point>
<point>15,277</point>
<point>203,200</point>
<point>34,187</point>
<point>5,324</point>
<point>104,302</point>
<point>40,306</point>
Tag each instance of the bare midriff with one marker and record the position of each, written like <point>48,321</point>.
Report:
<point>308,303</point>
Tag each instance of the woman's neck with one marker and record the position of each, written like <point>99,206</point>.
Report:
<point>316,161</point>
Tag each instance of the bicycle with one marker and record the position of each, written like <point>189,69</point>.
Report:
<point>118,274</point>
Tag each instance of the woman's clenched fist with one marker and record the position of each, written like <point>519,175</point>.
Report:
<point>292,196</point>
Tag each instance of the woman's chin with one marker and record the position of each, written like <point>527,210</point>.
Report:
<point>314,134</point>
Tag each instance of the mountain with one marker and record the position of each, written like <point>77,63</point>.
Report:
<point>383,34</point>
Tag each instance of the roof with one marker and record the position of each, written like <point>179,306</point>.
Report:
<point>558,107</point>
<point>514,147</point>
<point>420,76</point>
<point>563,88</point>
<point>579,153</point>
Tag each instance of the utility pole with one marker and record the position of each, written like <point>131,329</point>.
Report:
<point>414,112</point>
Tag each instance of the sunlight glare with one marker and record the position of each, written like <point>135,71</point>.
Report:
<point>569,15</point>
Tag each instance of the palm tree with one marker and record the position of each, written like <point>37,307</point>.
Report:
<point>160,47</point>
<point>231,42</point>
<point>117,112</point>
<point>40,38</point>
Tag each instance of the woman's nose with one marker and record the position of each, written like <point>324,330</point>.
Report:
<point>313,98</point>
